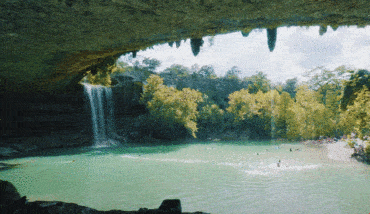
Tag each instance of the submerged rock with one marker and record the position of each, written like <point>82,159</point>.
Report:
<point>8,193</point>
<point>171,206</point>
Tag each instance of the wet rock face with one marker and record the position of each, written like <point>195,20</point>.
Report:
<point>36,122</point>
<point>49,45</point>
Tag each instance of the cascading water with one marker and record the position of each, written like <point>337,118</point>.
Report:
<point>102,114</point>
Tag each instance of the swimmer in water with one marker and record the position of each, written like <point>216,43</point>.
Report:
<point>278,163</point>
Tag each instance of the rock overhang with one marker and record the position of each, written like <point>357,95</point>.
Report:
<point>49,45</point>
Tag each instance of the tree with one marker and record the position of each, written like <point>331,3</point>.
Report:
<point>258,112</point>
<point>266,108</point>
<point>290,86</point>
<point>283,105</point>
<point>210,119</point>
<point>151,64</point>
<point>307,117</point>
<point>139,70</point>
<point>258,81</point>
<point>354,85</point>
<point>171,105</point>
<point>206,71</point>
<point>233,73</point>
<point>154,83</point>
<point>177,70</point>
<point>175,74</point>
<point>240,105</point>
<point>357,116</point>
<point>326,81</point>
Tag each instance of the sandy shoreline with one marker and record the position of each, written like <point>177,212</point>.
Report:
<point>339,151</point>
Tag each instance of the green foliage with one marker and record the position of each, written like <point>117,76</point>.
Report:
<point>211,113</point>
<point>259,82</point>
<point>351,143</point>
<point>139,70</point>
<point>367,149</point>
<point>175,75</point>
<point>290,86</point>
<point>353,85</point>
<point>233,73</point>
<point>206,71</point>
<point>211,120</point>
<point>177,71</point>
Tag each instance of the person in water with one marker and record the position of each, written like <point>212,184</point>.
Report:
<point>278,163</point>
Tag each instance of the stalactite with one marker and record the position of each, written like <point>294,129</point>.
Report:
<point>271,38</point>
<point>246,33</point>
<point>178,43</point>
<point>322,30</point>
<point>196,43</point>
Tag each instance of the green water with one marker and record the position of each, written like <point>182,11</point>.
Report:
<point>210,177</point>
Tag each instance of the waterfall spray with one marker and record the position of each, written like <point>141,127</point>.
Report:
<point>102,114</point>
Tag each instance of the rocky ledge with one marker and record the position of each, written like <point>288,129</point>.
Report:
<point>360,155</point>
<point>11,202</point>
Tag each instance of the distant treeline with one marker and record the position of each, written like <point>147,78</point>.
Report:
<point>184,102</point>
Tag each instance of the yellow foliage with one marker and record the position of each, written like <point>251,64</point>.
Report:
<point>266,106</point>
<point>308,117</point>
<point>357,116</point>
<point>100,78</point>
<point>171,104</point>
<point>241,104</point>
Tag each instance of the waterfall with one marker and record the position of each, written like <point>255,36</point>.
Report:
<point>102,114</point>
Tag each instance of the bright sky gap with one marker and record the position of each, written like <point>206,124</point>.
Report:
<point>297,50</point>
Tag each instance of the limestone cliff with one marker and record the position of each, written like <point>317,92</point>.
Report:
<point>49,45</point>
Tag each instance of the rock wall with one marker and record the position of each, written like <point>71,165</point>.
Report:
<point>49,45</point>
<point>34,122</point>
